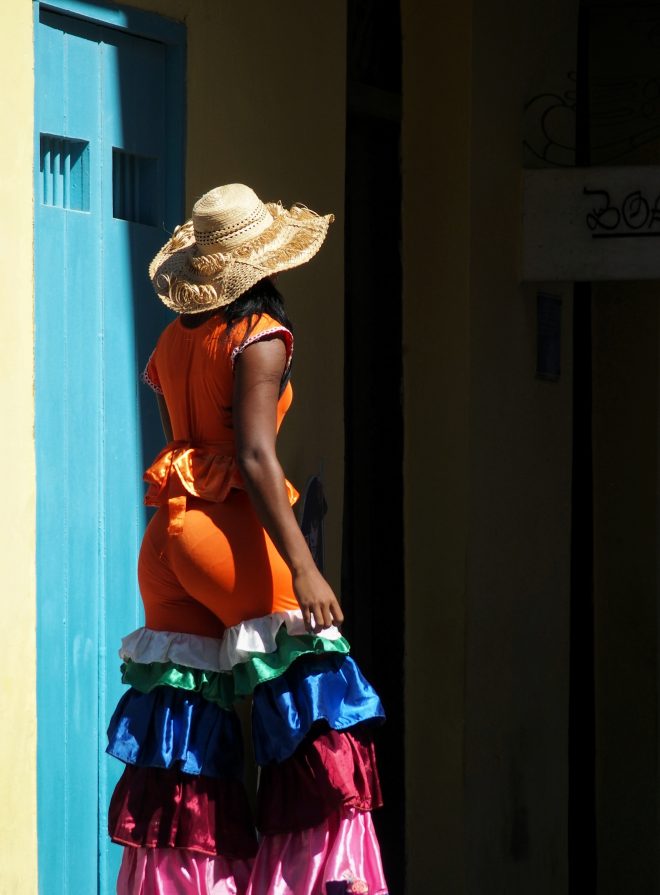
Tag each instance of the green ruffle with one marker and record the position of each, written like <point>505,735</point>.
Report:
<point>225,688</point>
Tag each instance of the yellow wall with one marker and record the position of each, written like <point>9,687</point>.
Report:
<point>18,836</point>
<point>266,107</point>
<point>518,571</point>
<point>436,247</point>
<point>487,462</point>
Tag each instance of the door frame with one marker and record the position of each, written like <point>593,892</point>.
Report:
<point>172,36</point>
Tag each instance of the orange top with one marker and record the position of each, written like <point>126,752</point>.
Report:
<point>193,370</point>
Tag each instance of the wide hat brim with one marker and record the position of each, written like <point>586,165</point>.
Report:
<point>189,282</point>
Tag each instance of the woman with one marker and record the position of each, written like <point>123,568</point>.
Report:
<point>234,604</point>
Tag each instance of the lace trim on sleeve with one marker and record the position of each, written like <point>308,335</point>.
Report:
<point>146,378</point>
<point>257,337</point>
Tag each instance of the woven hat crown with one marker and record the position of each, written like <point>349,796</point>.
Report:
<point>232,241</point>
<point>227,217</point>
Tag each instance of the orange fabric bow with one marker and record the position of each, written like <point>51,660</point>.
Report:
<point>205,471</point>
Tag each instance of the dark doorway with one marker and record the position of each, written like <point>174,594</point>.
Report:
<point>582,862</point>
<point>613,735</point>
<point>372,568</point>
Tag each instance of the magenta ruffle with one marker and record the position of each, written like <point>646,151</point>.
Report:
<point>330,769</point>
<point>165,808</point>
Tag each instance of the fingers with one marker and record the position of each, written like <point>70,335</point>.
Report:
<point>337,614</point>
<point>327,616</point>
<point>318,617</point>
<point>321,616</point>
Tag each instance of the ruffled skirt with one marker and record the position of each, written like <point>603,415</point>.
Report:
<point>180,807</point>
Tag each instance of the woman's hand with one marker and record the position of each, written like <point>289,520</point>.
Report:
<point>316,599</point>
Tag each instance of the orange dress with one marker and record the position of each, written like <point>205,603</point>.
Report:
<point>206,562</point>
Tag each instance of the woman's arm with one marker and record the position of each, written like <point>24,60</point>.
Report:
<point>257,379</point>
<point>164,417</point>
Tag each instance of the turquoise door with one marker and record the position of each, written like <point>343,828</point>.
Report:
<point>108,188</point>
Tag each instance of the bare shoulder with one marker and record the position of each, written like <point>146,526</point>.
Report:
<point>262,359</point>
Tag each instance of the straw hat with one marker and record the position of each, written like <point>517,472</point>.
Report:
<point>233,241</point>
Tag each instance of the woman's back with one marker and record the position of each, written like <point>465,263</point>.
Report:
<point>192,367</point>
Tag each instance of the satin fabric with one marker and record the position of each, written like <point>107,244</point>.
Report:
<point>168,726</point>
<point>224,688</point>
<point>344,847</point>
<point>213,686</point>
<point>328,770</point>
<point>252,637</point>
<point>155,807</point>
<point>174,728</point>
<point>208,471</point>
<point>162,871</point>
<point>315,688</point>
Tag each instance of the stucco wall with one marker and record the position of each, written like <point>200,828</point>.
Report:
<point>517,643</point>
<point>266,107</point>
<point>436,264</point>
<point>488,459</point>
<point>18,866</point>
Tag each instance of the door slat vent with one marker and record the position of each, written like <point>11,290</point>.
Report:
<point>134,188</point>
<point>64,169</point>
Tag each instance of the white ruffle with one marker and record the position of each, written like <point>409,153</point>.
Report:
<point>237,644</point>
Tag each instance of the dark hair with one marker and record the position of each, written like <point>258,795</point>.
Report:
<point>262,298</point>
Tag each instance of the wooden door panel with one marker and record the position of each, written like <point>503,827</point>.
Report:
<point>99,92</point>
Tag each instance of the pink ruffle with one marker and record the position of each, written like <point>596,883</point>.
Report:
<point>175,871</point>
<point>343,847</point>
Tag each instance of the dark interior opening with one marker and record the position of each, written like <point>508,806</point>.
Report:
<point>582,857</point>
<point>372,559</point>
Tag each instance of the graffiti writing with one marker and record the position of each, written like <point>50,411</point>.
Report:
<point>636,215</point>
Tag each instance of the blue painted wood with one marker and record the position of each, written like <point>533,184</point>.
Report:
<point>96,427</point>
<point>52,508</point>
<point>136,21</point>
<point>64,167</point>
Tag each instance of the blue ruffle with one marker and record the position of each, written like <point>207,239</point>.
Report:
<point>175,728</point>
<point>327,688</point>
